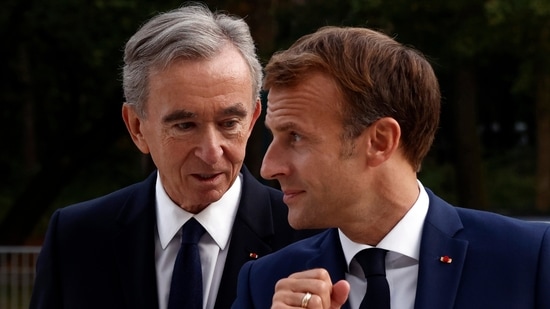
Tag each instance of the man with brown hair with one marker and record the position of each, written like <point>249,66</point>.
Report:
<point>353,113</point>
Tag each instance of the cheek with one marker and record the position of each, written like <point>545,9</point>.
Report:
<point>318,163</point>
<point>327,174</point>
<point>236,148</point>
<point>153,131</point>
<point>169,153</point>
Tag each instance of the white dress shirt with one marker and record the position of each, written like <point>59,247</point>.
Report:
<point>403,245</point>
<point>217,219</point>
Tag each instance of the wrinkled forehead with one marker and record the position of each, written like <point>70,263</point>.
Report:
<point>313,95</point>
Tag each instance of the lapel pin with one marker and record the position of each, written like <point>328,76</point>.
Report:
<point>253,255</point>
<point>446,259</point>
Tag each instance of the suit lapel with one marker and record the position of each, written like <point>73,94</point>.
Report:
<point>439,277</point>
<point>134,247</point>
<point>253,226</point>
<point>244,244</point>
<point>330,257</point>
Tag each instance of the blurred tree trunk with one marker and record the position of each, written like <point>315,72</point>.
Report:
<point>542,201</point>
<point>29,136</point>
<point>470,176</point>
<point>543,143</point>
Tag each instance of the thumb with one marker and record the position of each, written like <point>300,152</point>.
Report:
<point>340,291</point>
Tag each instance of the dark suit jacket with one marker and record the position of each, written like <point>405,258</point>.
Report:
<point>100,253</point>
<point>497,262</point>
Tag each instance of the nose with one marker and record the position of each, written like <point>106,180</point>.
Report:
<point>272,164</point>
<point>209,148</point>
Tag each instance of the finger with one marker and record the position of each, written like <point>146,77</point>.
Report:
<point>286,299</point>
<point>316,273</point>
<point>314,286</point>
<point>290,291</point>
<point>340,292</point>
<point>315,281</point>
<point>289,299</point>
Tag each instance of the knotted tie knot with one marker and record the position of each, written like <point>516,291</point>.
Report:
<point>192,232</point>
<point>373,262</point>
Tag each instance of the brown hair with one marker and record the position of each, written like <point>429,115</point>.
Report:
<point>377,76</point>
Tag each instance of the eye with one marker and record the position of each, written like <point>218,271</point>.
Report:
<point>229,124</point>
<point>185,125</point>
<point>295,137</point>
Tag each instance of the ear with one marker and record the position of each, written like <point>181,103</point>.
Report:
<point>256,114</point>
<point>383,136</point>
<point>133,124</point>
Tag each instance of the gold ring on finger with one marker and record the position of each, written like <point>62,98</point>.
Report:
<point>305,299</point>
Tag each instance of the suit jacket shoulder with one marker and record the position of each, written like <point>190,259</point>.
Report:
<point>100,253</point>
<point>497,261</point>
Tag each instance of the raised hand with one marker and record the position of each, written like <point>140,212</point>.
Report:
<point>311,289</point>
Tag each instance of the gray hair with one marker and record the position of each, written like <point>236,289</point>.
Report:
<point>189,32</point>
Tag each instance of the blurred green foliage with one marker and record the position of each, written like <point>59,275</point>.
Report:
<point>64,139</point>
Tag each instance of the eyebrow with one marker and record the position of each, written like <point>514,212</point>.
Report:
<point>182,114</point>
<point>235,110</point>
<point>287,126</point>
<point>178,115</point>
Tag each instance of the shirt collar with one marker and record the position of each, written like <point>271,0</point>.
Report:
<point>217,219</point>
<point>403,239</point>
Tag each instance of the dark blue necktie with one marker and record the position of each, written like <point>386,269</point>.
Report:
<point>374,266</point>
<point>186,287</point>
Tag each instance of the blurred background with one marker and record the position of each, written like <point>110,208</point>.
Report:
<point>65,141</point>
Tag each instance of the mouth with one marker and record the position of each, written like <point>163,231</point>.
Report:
<point>206,177</point>
<point>290,195</point>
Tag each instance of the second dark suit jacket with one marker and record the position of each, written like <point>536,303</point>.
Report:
<point>100,253</point>
<point>497,262</point>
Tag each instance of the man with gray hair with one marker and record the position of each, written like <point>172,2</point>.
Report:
<point>192,84</point>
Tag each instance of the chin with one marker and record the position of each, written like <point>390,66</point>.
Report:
<point>298,223</point>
